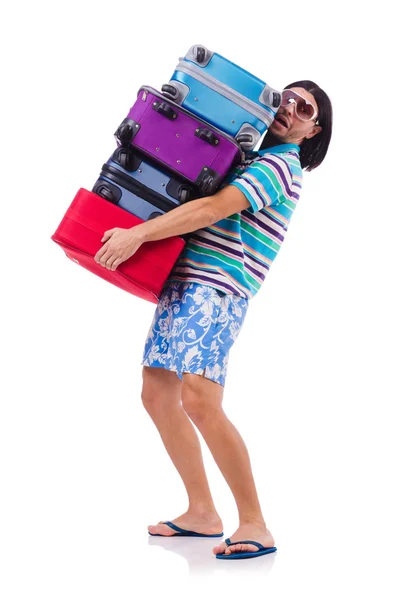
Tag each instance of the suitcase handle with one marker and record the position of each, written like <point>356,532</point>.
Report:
<point>207,136</point>
<point>165,109</point>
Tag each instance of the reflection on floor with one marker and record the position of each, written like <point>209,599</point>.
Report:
<point>201,561</point>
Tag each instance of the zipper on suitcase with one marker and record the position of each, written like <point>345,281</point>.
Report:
<point>226,91</point>
<point>137,188</point>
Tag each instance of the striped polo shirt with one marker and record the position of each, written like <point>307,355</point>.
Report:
<point>235,254</point>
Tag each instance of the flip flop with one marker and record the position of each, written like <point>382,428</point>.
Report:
<point>236,555</point>
<point>185,532</point>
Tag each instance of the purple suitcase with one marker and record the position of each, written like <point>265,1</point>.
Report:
<point>179,141</point>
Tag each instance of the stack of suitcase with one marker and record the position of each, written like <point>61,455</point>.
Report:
<point>173,147</point>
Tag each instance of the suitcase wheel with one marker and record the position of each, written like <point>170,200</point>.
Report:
<point>184,194</point>
<point>206,184</point>
<point>105,192</point>
<point>154,215</point>
<point>276,100</point>
<point>208,136</point>
<point>245,138</point>
<point>124,158</point>
<point>169,91</point>
<point>200,54</point>
<point>125,133</point>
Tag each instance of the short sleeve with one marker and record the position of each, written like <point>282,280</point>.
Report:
<point>266,182</point>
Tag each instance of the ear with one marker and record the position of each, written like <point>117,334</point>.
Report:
<point>314,131</point>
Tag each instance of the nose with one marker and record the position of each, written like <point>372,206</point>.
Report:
<point>290,109</point>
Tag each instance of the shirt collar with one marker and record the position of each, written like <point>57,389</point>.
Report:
<point>280,149</point>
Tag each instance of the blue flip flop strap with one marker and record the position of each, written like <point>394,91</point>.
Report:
<point>259,546</point>
<point>176,528</point>
<point>187,532</point>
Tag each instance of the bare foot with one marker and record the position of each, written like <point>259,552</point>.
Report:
<point>208,523</point>
<point>256,533</point>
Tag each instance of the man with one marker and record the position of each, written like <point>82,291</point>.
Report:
<point>235,236</point>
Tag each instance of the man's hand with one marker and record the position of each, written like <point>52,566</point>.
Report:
<point>118,245</point>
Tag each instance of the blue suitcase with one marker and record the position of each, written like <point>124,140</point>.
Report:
<point>140,187</point>
<point>223,94</point>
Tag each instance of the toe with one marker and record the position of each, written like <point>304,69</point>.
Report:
<point>160,529</point>
<point>241,548</point>
<point>220,549</point>
<point>235,548</point>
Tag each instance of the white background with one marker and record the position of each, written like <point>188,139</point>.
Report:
<point>311,382</point>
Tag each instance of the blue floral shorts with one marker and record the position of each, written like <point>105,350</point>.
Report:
<point>194,327</point>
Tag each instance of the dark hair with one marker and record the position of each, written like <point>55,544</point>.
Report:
<point>313,150</point>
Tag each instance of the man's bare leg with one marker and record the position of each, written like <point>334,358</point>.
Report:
<point>202,401</point>
<point>161,396</point>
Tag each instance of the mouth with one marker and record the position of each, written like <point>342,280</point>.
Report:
<point>282,120</point>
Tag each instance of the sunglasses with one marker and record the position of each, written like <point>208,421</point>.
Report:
<point>304,109</point>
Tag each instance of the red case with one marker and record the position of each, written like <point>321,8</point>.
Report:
<point>80,232</point>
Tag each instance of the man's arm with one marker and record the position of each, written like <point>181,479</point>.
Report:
<point>195,215</point>
<point>119,244</point>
